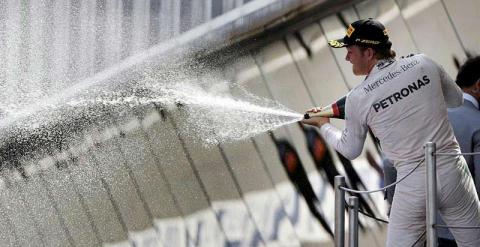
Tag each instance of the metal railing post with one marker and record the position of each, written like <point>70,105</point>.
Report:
<point>353,221</point>
<point>431,188</point>
<point>339,211</point>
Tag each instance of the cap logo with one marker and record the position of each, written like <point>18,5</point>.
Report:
<point>350,30</point>
<point>335,44</point>
<point>367,41</point>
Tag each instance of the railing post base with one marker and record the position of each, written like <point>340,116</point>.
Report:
<point>431,190</point>
<point>339,211</point>
<point>353,221</point>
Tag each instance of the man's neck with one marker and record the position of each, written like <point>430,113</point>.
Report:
<point>372,64</point>
<point>370,67</point>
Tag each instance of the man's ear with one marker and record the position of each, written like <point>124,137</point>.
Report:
<point>476,87</point>
<point>370,53</point>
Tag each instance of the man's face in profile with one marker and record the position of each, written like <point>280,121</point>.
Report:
<point>359,59</point>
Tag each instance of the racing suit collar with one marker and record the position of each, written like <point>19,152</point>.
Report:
<point>380,65</point>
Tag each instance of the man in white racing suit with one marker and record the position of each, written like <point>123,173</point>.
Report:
<point>404,102</point>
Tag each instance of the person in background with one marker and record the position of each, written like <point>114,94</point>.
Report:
<point>465,119</point>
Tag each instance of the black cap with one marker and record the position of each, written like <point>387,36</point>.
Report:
<point>368,32</point>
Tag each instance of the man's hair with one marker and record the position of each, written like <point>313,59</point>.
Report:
<point>469,72</point>
<point>380,52</point>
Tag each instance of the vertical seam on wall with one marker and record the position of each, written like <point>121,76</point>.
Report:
<point>162,174</point>
<point>35,223</point>
<point>323,222</point>
<point>289,134</point>
<point>409,30</point>
<point>134,181</point>
<point>116,209</point>
<point>85,207</point>
<point>55,207</point>
<point>197,174</point>
<point>457,35</point>
<point>302,77</point>
<point>334,58</point>
<point>264,81</point>
<point>240,192</point>
<point>10,223</point>
<point>270,177</point>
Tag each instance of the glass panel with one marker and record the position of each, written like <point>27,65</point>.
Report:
<point>19,213</point>
<point>65,196</point>
<point>145,169</point>
<point>113,32</point>
<point>181,179</point>
<point>259,194</point>
<point>173,162</point>
<point>219,184</point>
<point>247,74</point>
<point>96,197</point>
<point>111,164</point>
<point>41,205</point>
<point>141,25</point>
<point>466,16</point>
<point>434,38</point>
<point>7,231</point>
<point>285,85</point>
<point>169,19</point>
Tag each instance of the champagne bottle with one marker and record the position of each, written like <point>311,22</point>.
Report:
<point>335,110</point>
